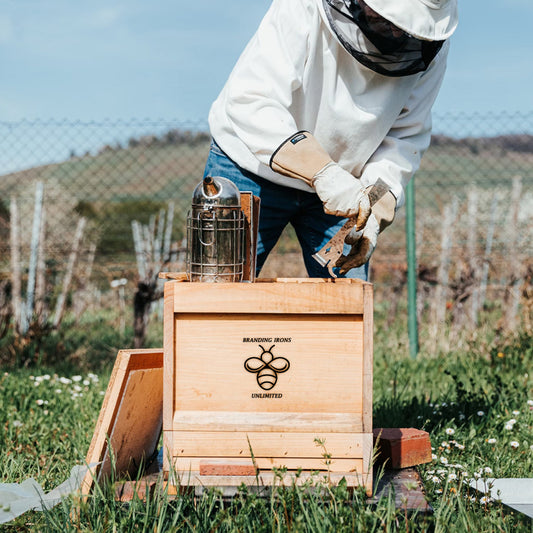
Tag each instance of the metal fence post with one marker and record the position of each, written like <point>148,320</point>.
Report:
<point>410,225</point>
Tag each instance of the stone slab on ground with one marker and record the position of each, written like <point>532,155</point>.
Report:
<point>515,493</point>
<point>405,486</point>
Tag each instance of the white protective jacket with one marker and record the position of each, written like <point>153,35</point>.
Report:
<point>295,75</point>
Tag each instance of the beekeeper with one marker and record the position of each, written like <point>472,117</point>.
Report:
<point>329,97</point>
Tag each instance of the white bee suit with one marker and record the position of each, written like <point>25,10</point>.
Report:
<point>295,75</point>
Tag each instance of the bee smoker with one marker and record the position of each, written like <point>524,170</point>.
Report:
<point>215,232</point>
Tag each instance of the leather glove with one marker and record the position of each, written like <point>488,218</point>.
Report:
<point>342,194</point>
<point>301,156</point>
<point>364,240</point>
<point>363,244</point>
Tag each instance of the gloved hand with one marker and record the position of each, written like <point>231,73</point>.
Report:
<point>301,156</point>
<point>363,244</point>
<point>342,194</point>
<point>364,240</point>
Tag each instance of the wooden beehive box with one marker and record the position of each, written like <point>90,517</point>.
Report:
<point>267,371</point>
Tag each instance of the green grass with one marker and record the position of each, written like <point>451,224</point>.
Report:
<point>467,399</point>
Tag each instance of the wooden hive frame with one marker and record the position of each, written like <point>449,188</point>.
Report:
<point>130,419</point>
<point>317,417</point>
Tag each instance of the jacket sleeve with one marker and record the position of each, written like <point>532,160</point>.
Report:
<point>399,154</point>
<point>266,75</point>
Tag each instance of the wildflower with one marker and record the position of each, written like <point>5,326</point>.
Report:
<point>435,479</point>
<point>86,382</point>
<point>512,421</point>
<point>45,412</point>
<point>508,427</point>
<point>530,403</point>
<point>92,377</point>
<point>65,381</point>
<point>76,378</point>
<point>46,377</point>
<point>438,491</point>
<point>491,441</point>
<point>76,388</point>
<point>501,355</point>
<point>450,431</point>
<point>516,413</point>
<point>17,423</point>
<point>444,460</point>
<point>40,402</point>
<point>444,444</point>
<point>481,413</point>
<point>485,500</point>
<point>452,477</point>
<point>514,444</point>
<point>487,470</point>
<point>477,475</point>
<point>433,457</point>
<point>58,391</point>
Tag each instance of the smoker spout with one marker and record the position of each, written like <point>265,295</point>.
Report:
<point>210,186</point>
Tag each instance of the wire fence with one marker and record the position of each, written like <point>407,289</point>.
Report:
<point>474,204</point>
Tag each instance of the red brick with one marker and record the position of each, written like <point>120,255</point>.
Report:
<point>402,447</point>
<point>225,467</point>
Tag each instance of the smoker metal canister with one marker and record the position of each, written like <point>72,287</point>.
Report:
<point>215,232</point>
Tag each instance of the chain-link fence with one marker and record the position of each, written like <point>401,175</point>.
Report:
<point>474,202</point>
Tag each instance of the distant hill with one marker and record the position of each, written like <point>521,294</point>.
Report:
<point>514,143</point>
<point>119,183</point>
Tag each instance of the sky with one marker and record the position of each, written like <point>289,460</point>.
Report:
<point>168,59</point>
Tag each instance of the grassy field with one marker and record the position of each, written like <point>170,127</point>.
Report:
<point>477,405</point>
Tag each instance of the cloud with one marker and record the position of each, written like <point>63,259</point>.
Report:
<point>525,4</point>
<point>6,29</point>
<point>106,17</point>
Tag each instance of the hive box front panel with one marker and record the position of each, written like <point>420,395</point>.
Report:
<point>269,370</point>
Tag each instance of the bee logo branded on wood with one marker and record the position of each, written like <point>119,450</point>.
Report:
<point>267,367</point>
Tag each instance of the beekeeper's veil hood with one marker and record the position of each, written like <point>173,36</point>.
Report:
<point>392,37</point>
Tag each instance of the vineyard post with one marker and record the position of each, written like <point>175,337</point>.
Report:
<point>32,269</point>
<point>512,296</point>
<point>16,299</point>
<point>443,272</point>
<point>73,257</point>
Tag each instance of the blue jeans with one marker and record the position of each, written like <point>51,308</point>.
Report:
<point>281,206</point>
